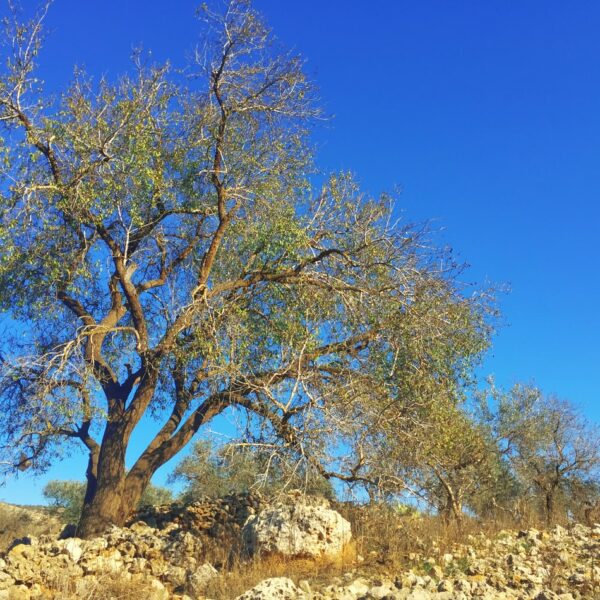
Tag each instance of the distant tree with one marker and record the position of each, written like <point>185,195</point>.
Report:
<point>583,499</point>
<point>502,495</point>
<point>549,445</point>
<point>155,495</point>
<point>68,497</point>
<point>458,460</point>
<point>446,458</point>
<point>166,252</point>
<point>232,468</point>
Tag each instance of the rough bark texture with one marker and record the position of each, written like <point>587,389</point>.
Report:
<point>550,506</point>
<point>108,503</point>
<point>113,504</point>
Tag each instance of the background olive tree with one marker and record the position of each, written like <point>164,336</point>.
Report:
<point>454,462</point>
<point>232,468</point>
<point>169,251</point>
<point>552,450</point>
<point>441,456</point>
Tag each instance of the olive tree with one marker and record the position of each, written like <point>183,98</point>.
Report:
<point>169,251</point>
<point>234,468</point>
<point>442,455</point>
<point>457,461</point>
<point>549,445</point>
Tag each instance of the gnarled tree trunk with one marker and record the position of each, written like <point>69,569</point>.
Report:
<point>108,500</point>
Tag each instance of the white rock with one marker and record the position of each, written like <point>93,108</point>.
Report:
<point>72,548</point>
<point>275,588</point>
<point>308,528</point>
<point>385,590</point>
<point>5,580</point>
<point>110,562</point>
<point>559,532</point>
<point>19,592</point>
<point>175,575</point>
<point>445,585</point>
<point>157,591</point>
<point>358,588</point>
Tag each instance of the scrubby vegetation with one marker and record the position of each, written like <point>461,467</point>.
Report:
<point>394,549</point>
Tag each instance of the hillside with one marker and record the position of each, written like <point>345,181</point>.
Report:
<point>295,548</point>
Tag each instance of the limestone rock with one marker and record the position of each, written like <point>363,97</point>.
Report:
<point>165,560</point>
<point>73,548</point>
<point>275,588</point>
<point>358,587</point>
<point>304,528</point>
<point>201,577</point>
<point>384,591</point>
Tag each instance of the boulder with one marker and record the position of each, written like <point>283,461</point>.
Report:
<point>358,587</point>
<point>275,588</point>
<point>201,577</point>
<point>71,547</point>
<point>306,527</point>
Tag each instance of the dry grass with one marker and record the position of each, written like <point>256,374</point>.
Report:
<point>16,522</point>
<point>388,539</point>
<point>385,543</point>
<point>244,574</point>
<point>102,587</point>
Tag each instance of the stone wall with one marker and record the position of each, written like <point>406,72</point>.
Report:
<point>215,517</point>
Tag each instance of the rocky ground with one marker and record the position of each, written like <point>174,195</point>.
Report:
<point>165,556</point>
<point>543,565</point>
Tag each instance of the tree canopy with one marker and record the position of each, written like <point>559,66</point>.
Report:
<point>171,250</point>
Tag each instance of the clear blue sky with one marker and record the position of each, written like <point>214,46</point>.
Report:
<point>487,114</point>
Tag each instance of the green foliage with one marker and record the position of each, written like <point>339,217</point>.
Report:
<point>156,495</point>
<point>426,567</point>
<point>458,567</point>
<point>405,510</point>
<point>66,496</point>
<point>446,455</point>
<point>546,442</point>
<point>217,471</point>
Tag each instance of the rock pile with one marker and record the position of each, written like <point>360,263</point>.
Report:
<point>557,565</point>
<point>166,560</point>
<point>164,557</point>
<point>215,517</point>
<point>156,559</point>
